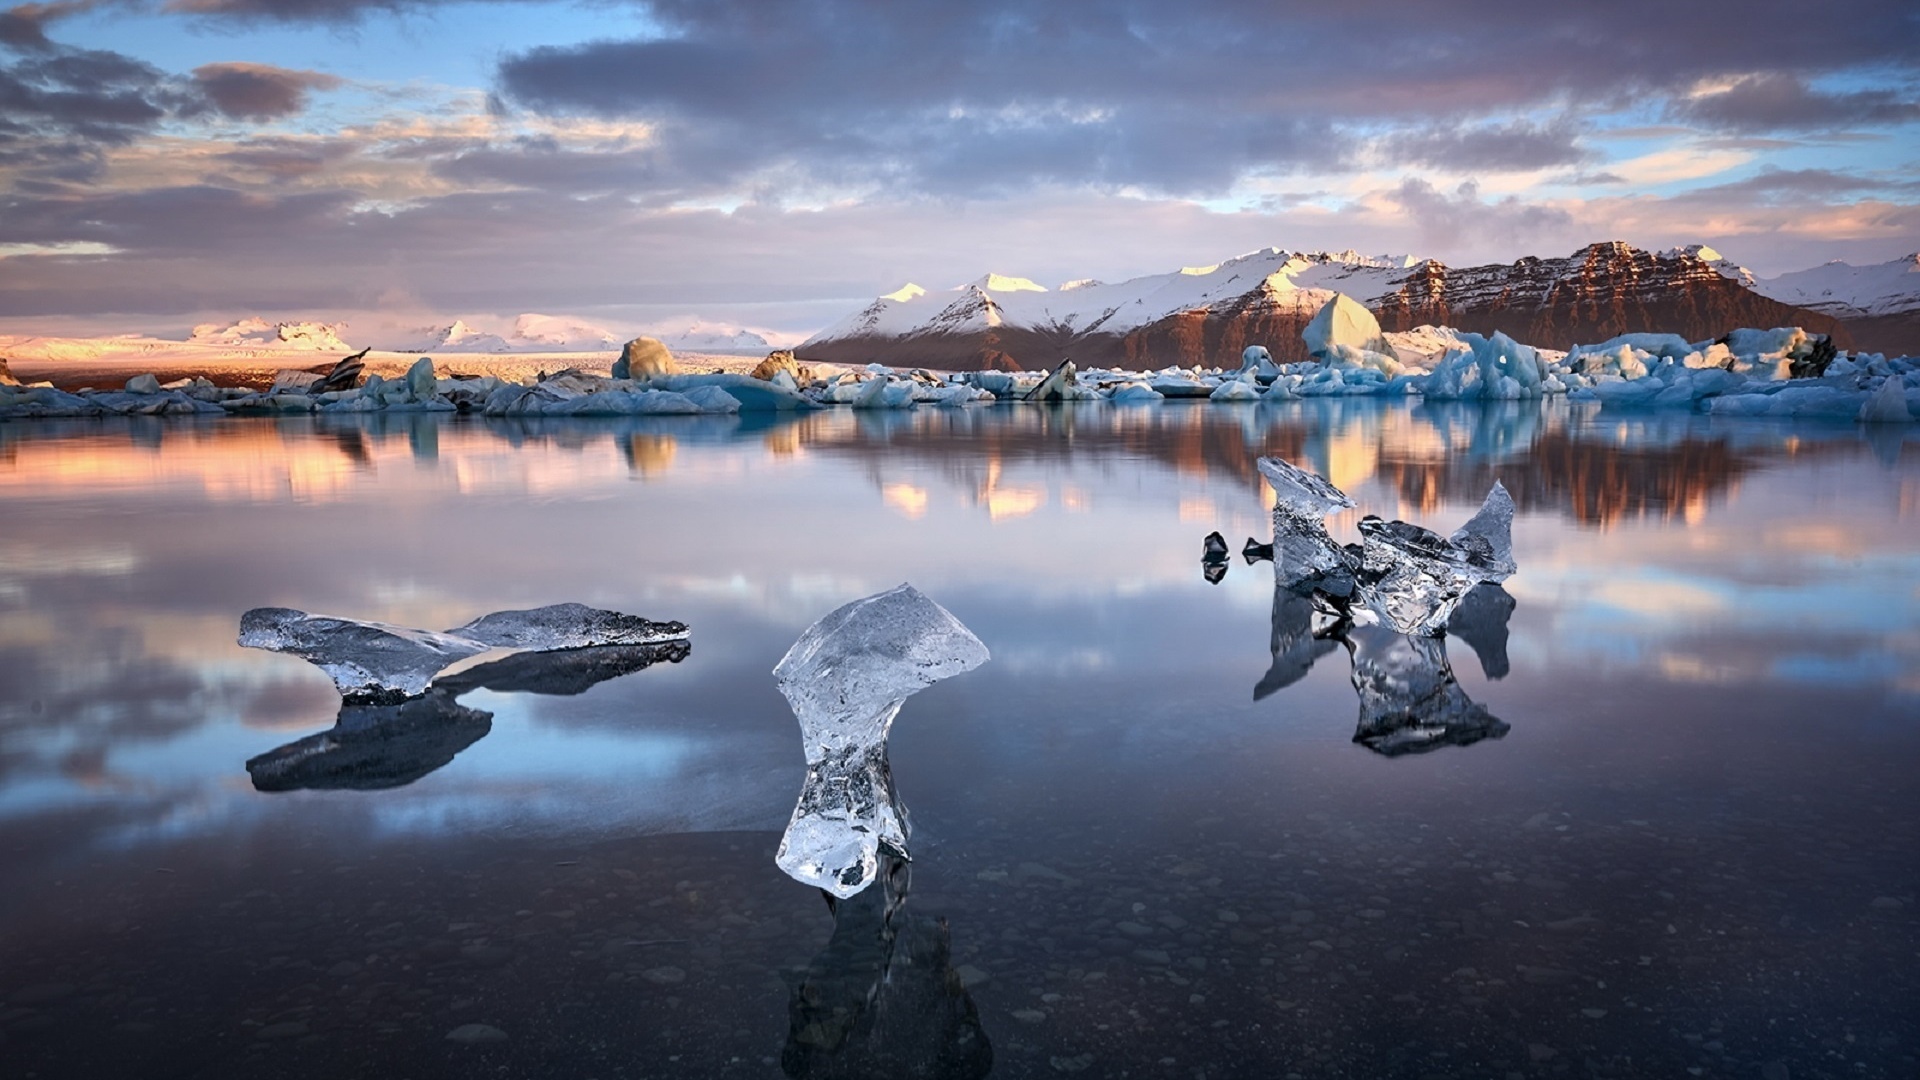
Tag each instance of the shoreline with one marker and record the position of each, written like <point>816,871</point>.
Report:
<point>256,368</point>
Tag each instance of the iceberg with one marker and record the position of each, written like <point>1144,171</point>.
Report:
<point>1413,578</point>
<point>1888,405</point>
<point>379,662</point>
<point>846,679</point>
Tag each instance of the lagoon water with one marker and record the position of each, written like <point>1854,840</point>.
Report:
<point>1691,852</point>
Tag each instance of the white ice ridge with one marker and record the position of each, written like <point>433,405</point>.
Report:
<point>846,679</point>
<point>372,660</point>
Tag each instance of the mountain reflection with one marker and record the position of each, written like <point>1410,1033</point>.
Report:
<point>371,747</point>
<point>882,999</point>
<point>1596,468</point>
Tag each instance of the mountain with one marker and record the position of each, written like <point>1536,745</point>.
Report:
<point>1205,315</point>
<point>255,333</point>
<point>1880,305</point>
<point>717,338</point>
<point>456,337</point>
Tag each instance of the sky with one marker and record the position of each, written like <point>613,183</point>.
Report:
<point>775,165</point>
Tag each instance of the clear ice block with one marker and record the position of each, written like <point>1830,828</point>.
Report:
<point>846,679</point>
<point>367,661</point>
<point>1302,549</point>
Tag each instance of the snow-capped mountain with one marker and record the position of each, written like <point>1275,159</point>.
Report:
<point>717,338</point>
<point>255,333</point>
<point>563,333</point>
<point>1207,314</point>
<point>1847,291</point>
<point>455,337</point>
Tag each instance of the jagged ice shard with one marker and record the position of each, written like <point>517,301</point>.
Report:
<point>372,661</point>
<point>846,678</point>
<point>1415,577</point>
<point>1301,504</point>
<point>365,660</point>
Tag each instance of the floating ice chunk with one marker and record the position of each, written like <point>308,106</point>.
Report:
<point>421,381</point>
<point>1487,537</point>
<point>1888,405</point>
<point>1236,390</point>
<point>367,661</point>
<point>1301,546</point>
<point>1257,362</point>
<point>371,661</point>
<point>846,678</point>
<point>1059,385</point>
<point>1134,390</point>
<point>143,384</point>
<point>1496,368</point>
<point>1410,702</point>
<point>373,746</point>
<point>566,626</point>
<point>1412,578</point>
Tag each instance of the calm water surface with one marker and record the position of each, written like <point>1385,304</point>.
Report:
<point>1691,853</point>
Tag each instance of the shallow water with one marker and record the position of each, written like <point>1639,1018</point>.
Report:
<point>1691,852</point>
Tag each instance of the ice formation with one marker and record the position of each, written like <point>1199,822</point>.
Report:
<point>846,679</point>
<point>1301,503</point>
<point>1391,600</point>
<point>391,744</point>
<point>372,661</point>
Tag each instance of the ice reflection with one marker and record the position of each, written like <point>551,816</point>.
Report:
<point>883,998</point>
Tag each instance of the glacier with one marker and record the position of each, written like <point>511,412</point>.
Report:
<point>1780,371</point>
<point>846,679</point>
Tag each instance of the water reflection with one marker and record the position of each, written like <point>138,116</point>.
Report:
<point>375,746</point>
<point>1596,468</point>
<point>882,999</point>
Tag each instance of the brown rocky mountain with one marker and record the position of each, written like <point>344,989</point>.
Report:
<point>1206,316</point>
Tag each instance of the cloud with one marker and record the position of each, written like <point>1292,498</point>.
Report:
<point>1516,146</point>
<point>24,26</point>
<point>1783,101</point>
<point>984,98</point>
<point>1442,219</point>
<point>258,91</point>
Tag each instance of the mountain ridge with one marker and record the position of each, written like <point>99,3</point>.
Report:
<point>1206,315</point>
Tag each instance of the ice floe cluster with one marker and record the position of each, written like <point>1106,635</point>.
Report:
<point>1779,372</point>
